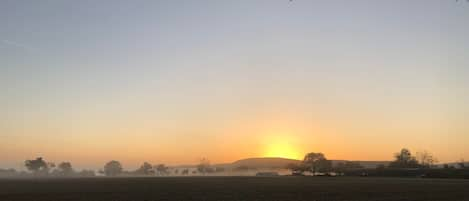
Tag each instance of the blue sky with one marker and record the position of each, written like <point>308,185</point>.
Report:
<point>106,75</point>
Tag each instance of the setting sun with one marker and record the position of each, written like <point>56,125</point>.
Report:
<point>282,149</point>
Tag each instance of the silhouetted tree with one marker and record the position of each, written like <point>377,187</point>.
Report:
<point>324,166</point>
<point>65,169</point>
<point>112,168</point>
<point>161,170</point>
<point>185,172</point>
<point>317,162</point>
<point>426,159</point>
<point>404,159</point>
<point>37,166</point>
<point>145,169</point>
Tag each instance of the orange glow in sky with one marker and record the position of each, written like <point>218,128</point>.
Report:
<point>282,149</point>
<point>172,82</point>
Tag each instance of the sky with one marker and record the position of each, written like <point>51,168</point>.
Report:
<point>174,81</point>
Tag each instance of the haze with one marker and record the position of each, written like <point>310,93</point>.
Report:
<point>174,81</point>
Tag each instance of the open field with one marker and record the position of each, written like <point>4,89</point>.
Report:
<point>234,189</point>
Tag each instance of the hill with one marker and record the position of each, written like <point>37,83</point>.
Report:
<point>276,162</point>
<point>266,162</point>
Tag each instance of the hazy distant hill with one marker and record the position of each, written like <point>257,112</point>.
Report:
<point>268,162</point>
<point>261,162</point>
<point>273,162</point>
<point>264,162</point>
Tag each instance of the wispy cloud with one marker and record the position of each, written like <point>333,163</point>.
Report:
<point>17,45</point>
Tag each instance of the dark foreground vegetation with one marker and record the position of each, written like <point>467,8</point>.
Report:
<point>234,189</point>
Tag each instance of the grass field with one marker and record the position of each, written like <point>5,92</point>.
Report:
<point>234,189</point>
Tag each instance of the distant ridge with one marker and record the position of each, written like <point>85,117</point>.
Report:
<point>274,162</point>
<point>277,162</point>
<point>265,162</point>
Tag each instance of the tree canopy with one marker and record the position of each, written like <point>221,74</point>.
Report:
<point>38,165</point>
<point>112,168</point>
<point>317,162</point>
<point>404,159</point>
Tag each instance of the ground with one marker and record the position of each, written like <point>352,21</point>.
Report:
<point>234,189</point>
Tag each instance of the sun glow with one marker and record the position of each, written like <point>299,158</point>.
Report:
<point>282,149</point>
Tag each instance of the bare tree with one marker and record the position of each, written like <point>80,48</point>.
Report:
<point>426,159</point>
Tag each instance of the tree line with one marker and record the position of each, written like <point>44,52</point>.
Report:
<point>314,163</point>
<point>317,163</point>
<point>41,168</point>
